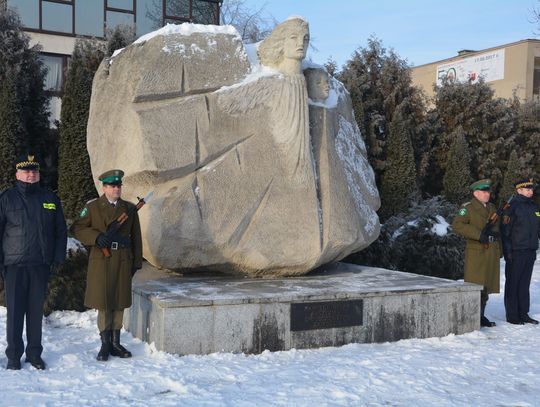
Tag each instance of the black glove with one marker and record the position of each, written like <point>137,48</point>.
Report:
<point>508,257</point>
<point>133,271</point>
<point>488,236</point>
<point>103,241</point>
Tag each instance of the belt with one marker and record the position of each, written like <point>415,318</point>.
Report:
<point>121,242</point>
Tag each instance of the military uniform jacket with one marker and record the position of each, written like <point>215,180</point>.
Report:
<point>32,226</point>
<point>108,284</point>
<point>481,262</point>
<point>521,225</point>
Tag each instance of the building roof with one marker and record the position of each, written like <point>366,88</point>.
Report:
<point>467,53</point>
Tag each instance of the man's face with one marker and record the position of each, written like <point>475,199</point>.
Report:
<point>112,192</point>
<point>528,192</point>
<point>482,196</point>
<point>28,176</point>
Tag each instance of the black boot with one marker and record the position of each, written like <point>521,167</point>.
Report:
<point>105,350</point>
<point>37,362</point>
<point>13,364</point>
<point>116,348</point>
<point>529,320</point>
<point>483,320</point>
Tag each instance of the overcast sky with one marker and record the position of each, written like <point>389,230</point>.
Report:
<point>421,31</point>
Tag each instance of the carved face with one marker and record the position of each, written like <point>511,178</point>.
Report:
<point>296,44</point>
<point>317,84</point>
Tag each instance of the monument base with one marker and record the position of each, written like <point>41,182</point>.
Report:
<point>334,305</point>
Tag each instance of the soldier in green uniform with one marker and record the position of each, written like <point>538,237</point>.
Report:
<point>108,287</point>
<point>483,252</point>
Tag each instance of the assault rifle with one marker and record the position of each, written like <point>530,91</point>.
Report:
<point>492,220</point>
<point>116,224</point>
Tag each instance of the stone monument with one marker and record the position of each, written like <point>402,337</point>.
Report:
<point>251,173</point>
<point>258,168</point>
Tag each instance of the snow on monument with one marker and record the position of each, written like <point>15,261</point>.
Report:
<point>251,173</point>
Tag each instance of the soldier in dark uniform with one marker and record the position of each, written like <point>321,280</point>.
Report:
<point>482,253</point>
<point>108,287</point>
<point>33,238</point>
<point>520,232</point>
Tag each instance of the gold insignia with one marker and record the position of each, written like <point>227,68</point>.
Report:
<point>30,158</point>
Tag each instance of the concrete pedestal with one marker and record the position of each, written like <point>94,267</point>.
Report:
<point>334,305</point>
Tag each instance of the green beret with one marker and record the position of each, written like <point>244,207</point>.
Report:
<point>481,185</point>
<point>112,177</point>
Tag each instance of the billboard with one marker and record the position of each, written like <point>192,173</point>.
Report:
<point>489,65</point>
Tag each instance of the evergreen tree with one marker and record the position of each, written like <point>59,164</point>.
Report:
<point>76,185</point>
<point>11,131</point>
<point>331,66</point>
<point>457,177</point>
<point>398,185</point>
<point>511,175</point>
<point>378,81</point>
<point>490,126</point>
<point>119,38</point>
<point>23,95</point>
<point>529,142</point>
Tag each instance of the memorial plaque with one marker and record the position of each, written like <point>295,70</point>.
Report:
<point>324,315</point>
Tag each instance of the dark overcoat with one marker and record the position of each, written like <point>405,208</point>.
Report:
<point>108,284</point>
<point>481,260</point>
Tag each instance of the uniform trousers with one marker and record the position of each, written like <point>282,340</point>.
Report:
<point>484,296</point>
<point>110,320</point>
<point>25,291</point>
<point>516,287</point>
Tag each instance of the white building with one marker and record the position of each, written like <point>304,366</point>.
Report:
<point>55,25</point>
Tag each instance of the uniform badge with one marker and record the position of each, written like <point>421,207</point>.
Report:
<point>84,212</point>
<point>537,214</point>
<point>462,211</point>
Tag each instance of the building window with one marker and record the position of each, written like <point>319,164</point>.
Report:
<point>195,11</point>
<point>28,10</point>
<point>114,19</point>
<point>121,4</point>
<point>119,12</point>
<point>149,15</point>
<point>56,66</point>
<point>92,17</point>
<point>89,17</point>
<point>205,12</point>
<point>57,17</point>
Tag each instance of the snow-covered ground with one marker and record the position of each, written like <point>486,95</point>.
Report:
<point>491,367</point>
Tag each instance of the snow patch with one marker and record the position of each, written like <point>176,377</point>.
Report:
<point>449,371</point>
<point>351,151</point>
<point>440,228</point>
<point>188,29</point>
<point>296,17</point>
<point>74,246</point>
